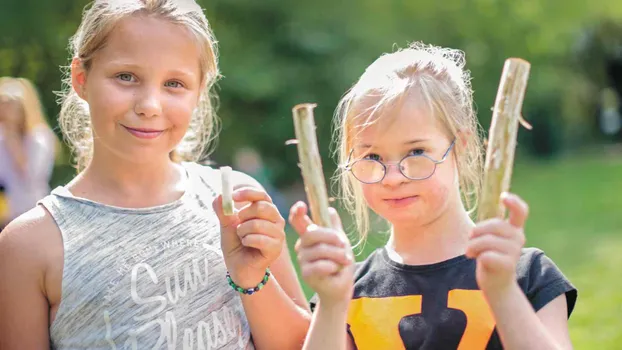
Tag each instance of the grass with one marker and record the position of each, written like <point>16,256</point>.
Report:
<point>576,218</point>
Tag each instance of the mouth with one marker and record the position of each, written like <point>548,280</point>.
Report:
<point>144,133</point>
<point>400,201</point>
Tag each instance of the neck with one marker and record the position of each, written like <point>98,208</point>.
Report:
<point>118,181</point>
<point>443,238</point>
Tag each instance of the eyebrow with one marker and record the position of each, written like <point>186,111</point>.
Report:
<point>409,142</point>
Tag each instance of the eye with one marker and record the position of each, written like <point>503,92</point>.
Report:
<point>173,84</point>
<point>125,77</point>
<point>416,152</point>
<point>372,156</point>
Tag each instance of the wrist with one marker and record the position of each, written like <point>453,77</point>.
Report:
<point>504,294</point>
<point>334,305</point>
<point>247,278</point>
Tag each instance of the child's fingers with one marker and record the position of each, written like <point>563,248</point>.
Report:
<point>250,194</point>
<point>298,218</point>
<point>325,252</point>
<point>495,261</point>
<point>261,210</point>
<point>518,209</point>
<point>495,226</point>
<point>228,223</point>
<point>225,220</point>
<point>258,226</point>
<point>485,243</point>
<point>316,235</point>
<point>269,246</point>
<point>297,246</point>
<point>498,227</point>
<point>319,268</point>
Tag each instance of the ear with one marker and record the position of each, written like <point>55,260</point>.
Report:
<point>78,78</point>
<point>463,137</point>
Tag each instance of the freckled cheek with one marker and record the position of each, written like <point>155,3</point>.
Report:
<point>436,194</point>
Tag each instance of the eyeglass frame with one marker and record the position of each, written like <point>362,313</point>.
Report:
<point>348,166</point>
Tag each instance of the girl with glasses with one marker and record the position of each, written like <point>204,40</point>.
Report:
<point>409,149</point>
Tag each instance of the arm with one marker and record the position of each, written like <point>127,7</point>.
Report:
<point>547,329</point>
<point>327,265</point>
<point>25,307</point>
<point>40,153</point>
<point>14,143</point>
<point>328,329</point>
<point>281,304</point>
<point>497,245</point>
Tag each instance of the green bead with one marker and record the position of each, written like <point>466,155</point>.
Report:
<point>239,289</point>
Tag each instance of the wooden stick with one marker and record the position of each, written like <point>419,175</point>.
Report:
<point>502,137</point>
<point>227,190</point>
<point>311,164</point>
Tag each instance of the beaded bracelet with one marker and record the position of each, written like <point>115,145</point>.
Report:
<point>249,291</point>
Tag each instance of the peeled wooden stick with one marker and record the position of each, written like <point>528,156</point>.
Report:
<point>311,164</point>
<point>227,190</point>
<point>502,137</point>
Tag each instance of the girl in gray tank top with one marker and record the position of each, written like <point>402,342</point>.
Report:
<point>135,252</point>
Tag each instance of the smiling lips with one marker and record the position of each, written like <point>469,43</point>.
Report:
<point>143,133</point>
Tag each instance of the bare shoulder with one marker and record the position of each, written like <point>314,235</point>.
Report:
<point>30,239</point>
<point>30,259</point>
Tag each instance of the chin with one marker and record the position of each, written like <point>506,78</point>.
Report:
<point>408,219</point>
<point>143,156</point>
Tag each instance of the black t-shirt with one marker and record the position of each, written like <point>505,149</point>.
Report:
<point>439,306</point>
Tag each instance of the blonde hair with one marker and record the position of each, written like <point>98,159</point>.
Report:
<point>22,91</point>
<point>98,21</point>
<point>437,76</point>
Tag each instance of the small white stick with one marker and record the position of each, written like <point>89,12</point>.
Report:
<point>227,190</point>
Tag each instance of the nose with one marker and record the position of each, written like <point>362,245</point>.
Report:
<point>148,103</point>
<point>393,175</point>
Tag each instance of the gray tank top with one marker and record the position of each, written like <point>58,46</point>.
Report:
<point>149,278</point>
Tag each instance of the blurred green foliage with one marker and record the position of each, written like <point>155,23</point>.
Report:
<point>277,53</point>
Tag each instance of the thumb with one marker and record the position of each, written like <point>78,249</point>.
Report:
<point>298,218</point>
<point>517,207</point>
<point>228,223</point>
<point>337,225</point>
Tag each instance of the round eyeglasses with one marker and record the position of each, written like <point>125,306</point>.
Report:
<point>413,167</point>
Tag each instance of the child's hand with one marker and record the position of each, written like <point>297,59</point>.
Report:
<point>497,244</point>
<point>252,238</point>
<point>325,257</point>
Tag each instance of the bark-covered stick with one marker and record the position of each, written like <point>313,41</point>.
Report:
<point>227,190</point>
<point>502,137</point>
<point>311,164</point>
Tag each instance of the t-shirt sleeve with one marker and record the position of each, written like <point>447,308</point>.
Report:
<point>542,281</point>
